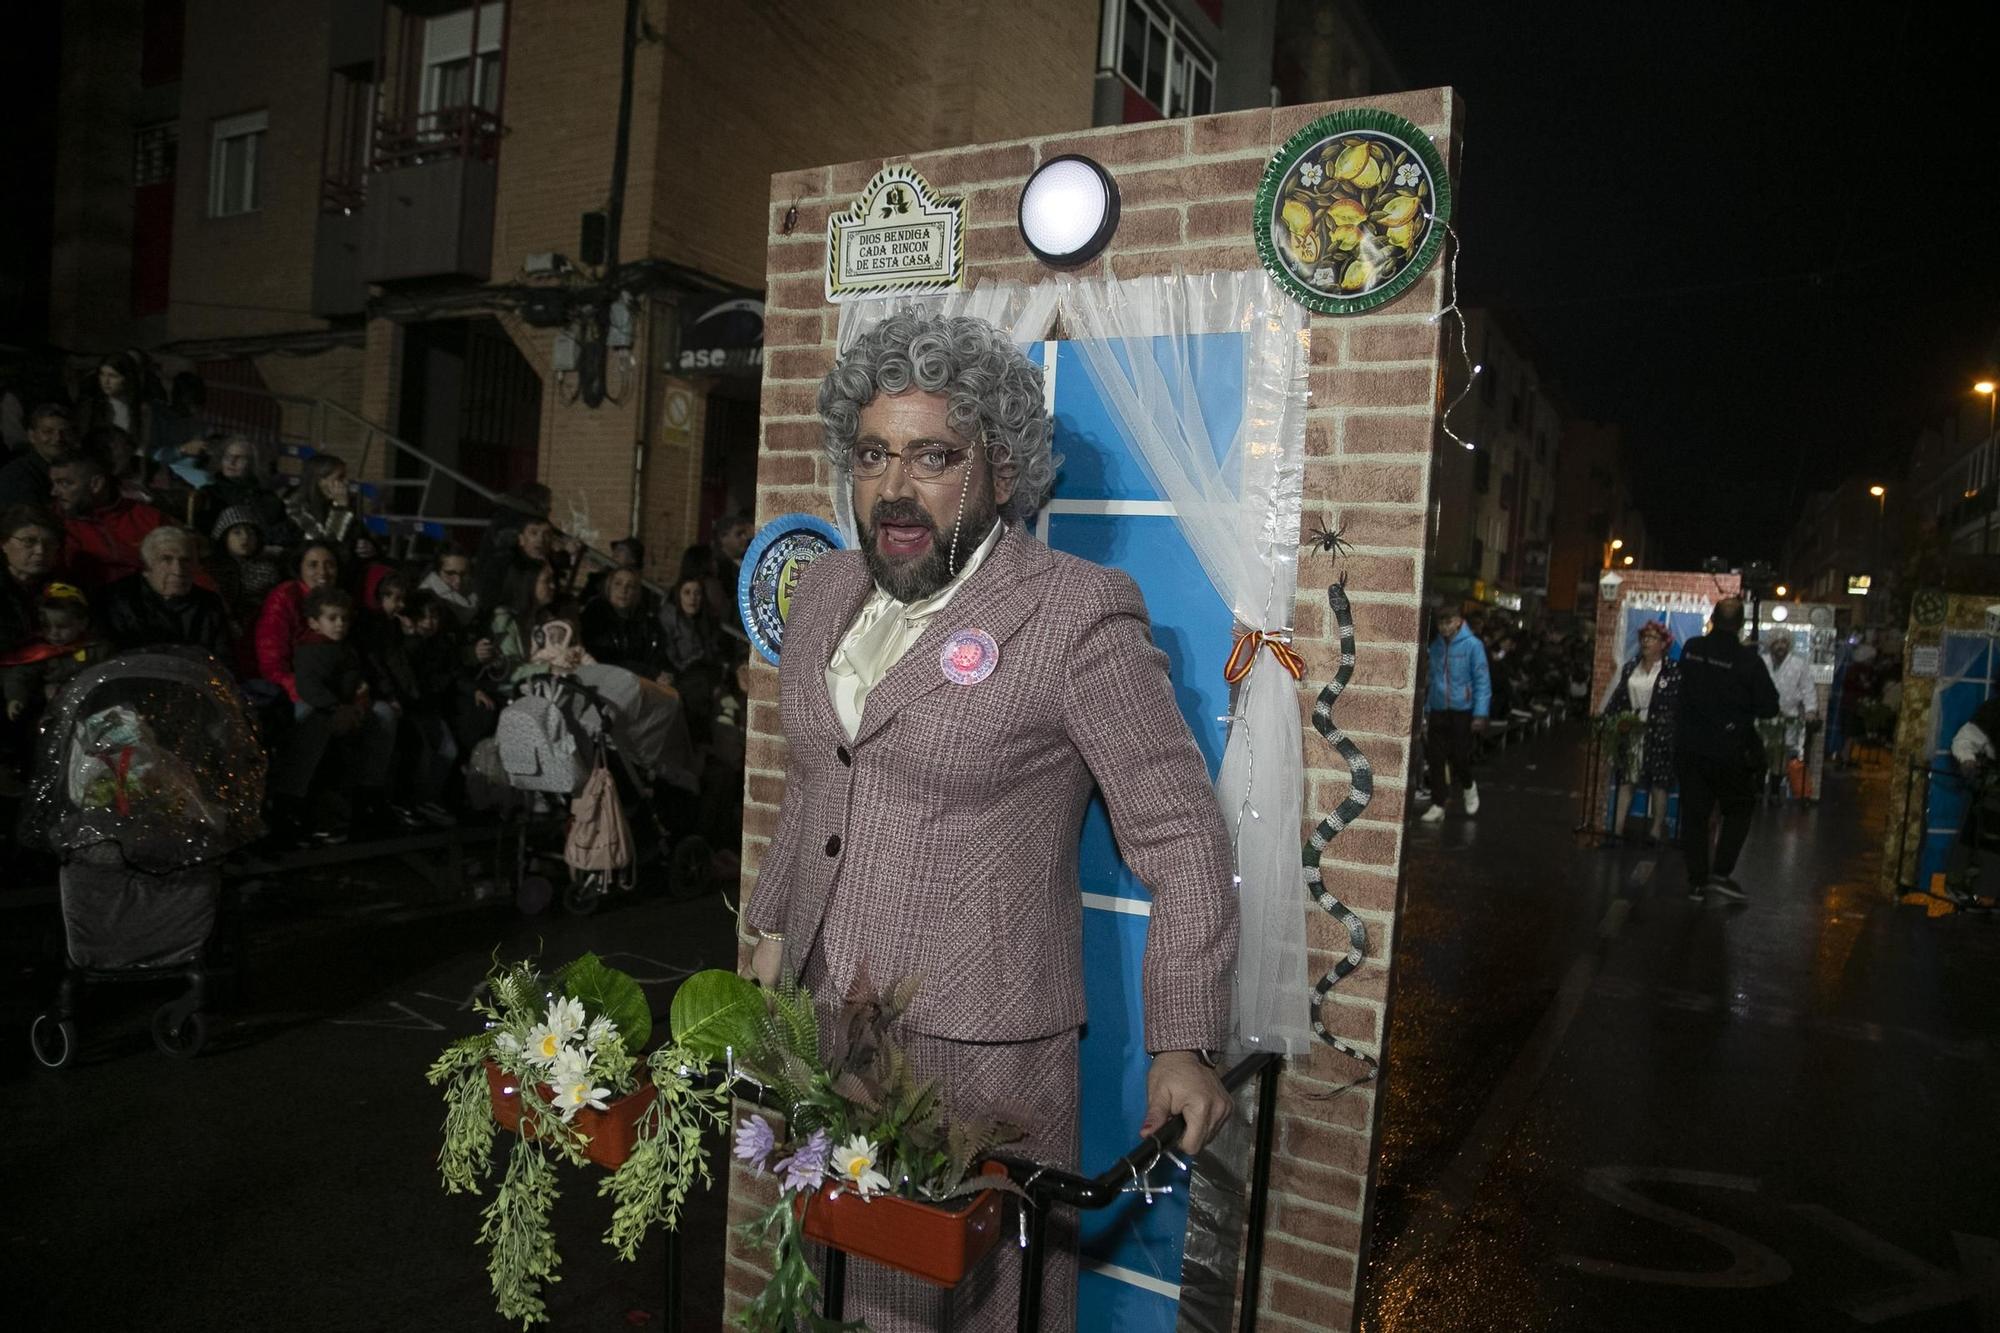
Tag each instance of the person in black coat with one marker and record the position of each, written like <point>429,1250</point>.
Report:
<point>161,605</point>
<point>1724,689</point>
<point>619,631</point>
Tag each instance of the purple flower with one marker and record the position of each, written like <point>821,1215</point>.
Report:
<point>754,1140</point>
<point>804,1168</point>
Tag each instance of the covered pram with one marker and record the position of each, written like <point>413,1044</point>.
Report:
<point>552,738</point>
<point>148,775</point>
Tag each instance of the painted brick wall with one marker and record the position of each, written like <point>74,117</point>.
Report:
<point>1187,188</point>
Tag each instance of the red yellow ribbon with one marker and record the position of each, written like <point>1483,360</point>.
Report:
<point>1244,655</point>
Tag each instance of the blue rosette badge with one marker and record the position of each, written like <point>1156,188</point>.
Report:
<point>771,568</point>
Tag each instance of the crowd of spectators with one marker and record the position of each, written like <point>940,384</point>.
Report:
<point>372,678</point>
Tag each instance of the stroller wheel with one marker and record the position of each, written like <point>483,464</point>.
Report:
<point>581,897</point>
<point>53,1040</point>
<point>689,871</point>
<point>181,1040</point>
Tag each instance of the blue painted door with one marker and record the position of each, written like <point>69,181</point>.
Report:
<point>1105,510</point>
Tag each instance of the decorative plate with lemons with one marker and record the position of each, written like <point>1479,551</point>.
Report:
<point>1352,210</point>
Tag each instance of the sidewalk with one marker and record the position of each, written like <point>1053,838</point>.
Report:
<point>1611,1108</point>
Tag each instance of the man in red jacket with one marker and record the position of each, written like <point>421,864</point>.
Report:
<point>102,528</point>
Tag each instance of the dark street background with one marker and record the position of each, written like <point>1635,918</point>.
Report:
<point>1613,1108</point>
<point>285,1178</point>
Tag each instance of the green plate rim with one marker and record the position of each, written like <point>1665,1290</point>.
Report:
<point>1280,165</point>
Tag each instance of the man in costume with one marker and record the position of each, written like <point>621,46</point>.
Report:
<point>951,693</point>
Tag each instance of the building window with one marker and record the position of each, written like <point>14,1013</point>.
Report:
<point>1155,55</point>
<point>350,116</point>
<point>235,145</point>
<point>456,76</point>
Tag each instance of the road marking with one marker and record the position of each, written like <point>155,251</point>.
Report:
<point>411,1020</point>
<point>1452,1198</point>
<point>1752,1263</point>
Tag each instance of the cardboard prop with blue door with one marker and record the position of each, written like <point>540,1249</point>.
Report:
<point>1217,362</point>
<point>1685,617</point>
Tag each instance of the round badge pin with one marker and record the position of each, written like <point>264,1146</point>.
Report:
<point>771,568</point>
<point>969,657</point>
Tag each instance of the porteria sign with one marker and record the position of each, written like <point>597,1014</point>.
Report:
<point>899,236</point>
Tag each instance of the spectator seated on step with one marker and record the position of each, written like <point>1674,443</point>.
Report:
<point>241,485</point>
<point>335,710</point>
<point>31,543</point>
<point>282,622</point>
<point>618,629</point>
<point>450,581</point>
<point>520,533</point>
<point>626,553</point>
<point>319,508</point>
<point>162,606</point>
<point>33,673</point>
<point>242,567</point>
<point>25,479</point>
<point>526,598</point>
<point>101,528</point>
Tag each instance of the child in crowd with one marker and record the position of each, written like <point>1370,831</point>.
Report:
<point>35,673</point>
<point>335,707</point>
<point>439,690</point>
<point>243,573</point>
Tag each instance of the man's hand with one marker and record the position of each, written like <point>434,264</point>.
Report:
<point>766,961</point>
<point>1479,726</point>
<point>1180,1084</point>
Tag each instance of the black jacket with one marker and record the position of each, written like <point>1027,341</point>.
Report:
<point>1724,689</point>
<point>25,480</point>
<point>631,640</point>
<point>136,616</point>
<point>329,674</point>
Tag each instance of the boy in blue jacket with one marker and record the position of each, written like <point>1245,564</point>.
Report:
<point>1461,693</point>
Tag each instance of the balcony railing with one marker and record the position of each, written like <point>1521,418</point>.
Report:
<point>427,136</point>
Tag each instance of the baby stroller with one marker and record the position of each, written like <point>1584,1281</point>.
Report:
<point>148,775</point>
<point>584,715</point>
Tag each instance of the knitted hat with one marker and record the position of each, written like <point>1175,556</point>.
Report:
<point>237,516</point>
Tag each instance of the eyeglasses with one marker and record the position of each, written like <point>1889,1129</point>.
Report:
<point>926,462</point>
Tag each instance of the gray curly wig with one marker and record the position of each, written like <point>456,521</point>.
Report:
<point>995,395</point>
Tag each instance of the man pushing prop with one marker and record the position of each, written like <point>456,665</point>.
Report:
<point>951,693</point>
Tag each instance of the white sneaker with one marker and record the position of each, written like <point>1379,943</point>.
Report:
<point>1472,800</point>
<point>1434,815</point>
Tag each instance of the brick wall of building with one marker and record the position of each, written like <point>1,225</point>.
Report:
<point>1187,188</point>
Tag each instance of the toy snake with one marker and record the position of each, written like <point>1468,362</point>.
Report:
<point>1361,786</point>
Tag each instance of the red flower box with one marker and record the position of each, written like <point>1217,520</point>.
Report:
<point>939,1243</point>
<point>612,1132</point>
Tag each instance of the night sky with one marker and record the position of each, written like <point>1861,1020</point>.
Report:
<point>1761,237</point>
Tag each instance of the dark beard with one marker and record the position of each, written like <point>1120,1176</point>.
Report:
<point>914,580</point>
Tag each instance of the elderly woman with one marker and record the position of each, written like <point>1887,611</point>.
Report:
<point>241,480</point>
<point>31,543</point>
<point>1647,685</point>
<point>617,630</point>
<point>283,621</point>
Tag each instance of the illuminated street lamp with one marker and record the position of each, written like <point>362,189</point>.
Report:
<point>1782,590</point>
<point>1617,543</point>
<point>1628,560</point>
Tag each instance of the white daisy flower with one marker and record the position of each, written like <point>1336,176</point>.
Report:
<point>566,1017</point>
<point>1312,173</point>
<point>602,1031</point>
<point>854,1167</point>
<point>570,1086</point>
<point>545,1044</point>
<point>1408,174</point>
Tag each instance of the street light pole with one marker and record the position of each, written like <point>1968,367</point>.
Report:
<point>1992,394</point>
<point>1876,582</point>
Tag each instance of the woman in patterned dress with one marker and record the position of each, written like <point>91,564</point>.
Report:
<point>1648,685</point>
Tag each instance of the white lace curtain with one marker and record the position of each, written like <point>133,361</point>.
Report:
<point>1236,500</point>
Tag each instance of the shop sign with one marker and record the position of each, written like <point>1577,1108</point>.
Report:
<point>899,237</point>
<point>1858,584</point>
<point>722,335</point>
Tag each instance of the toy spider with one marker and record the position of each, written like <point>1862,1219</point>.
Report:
<point>1329,539</point>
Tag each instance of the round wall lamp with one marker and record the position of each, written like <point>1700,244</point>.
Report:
<point>1069,209</point>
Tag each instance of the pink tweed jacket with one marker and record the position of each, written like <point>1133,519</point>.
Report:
<point>941,842</point>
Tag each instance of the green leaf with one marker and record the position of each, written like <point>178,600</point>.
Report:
<point>607,991</point>
<point>714,1011</point>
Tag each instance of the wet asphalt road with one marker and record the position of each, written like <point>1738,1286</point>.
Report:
<point>285,1179</point>
<point>1610,1108</point>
